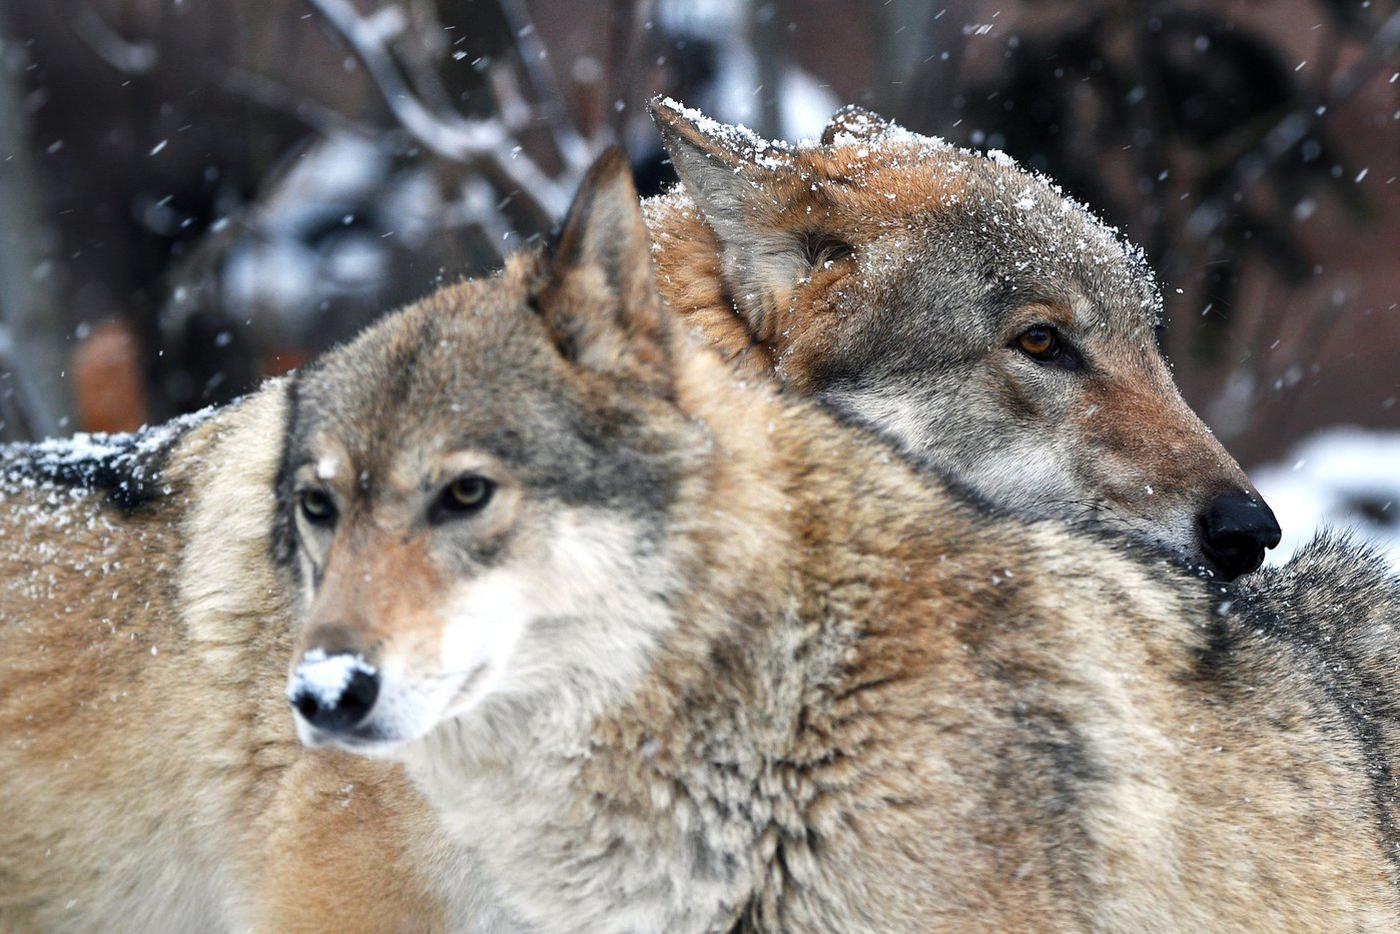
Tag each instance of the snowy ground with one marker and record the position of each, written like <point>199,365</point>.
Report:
<point>1342,478</point>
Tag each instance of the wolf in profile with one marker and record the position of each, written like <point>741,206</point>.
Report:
<point>589,634</point>
<point>963,309</point>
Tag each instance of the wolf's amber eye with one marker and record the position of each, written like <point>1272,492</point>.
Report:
<point>317,507</point>
<point>1040,342</point>
<point>467,493</point>
<point>1043,344</point>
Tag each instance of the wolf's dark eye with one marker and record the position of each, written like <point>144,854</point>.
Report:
<point>467,494</point>
<point>316,507</point>
<point>1043,344</point>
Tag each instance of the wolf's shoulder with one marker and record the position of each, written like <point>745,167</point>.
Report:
<point>128,469</point>
<point>1335,582</point>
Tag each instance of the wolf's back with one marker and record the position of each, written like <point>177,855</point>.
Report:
<point>124,703</point>
<point>1337,604</point>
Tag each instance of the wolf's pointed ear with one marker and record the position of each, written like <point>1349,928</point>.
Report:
<point>722,165</point>
<point>597,295</point>
<point>744,186</point>
<point>728,170</point>
<point>853,122</point>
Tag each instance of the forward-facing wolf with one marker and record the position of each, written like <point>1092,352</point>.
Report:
<point>962,308</point>
<point>642,646</point>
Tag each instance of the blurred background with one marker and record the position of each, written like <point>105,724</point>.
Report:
<point>200,193</point>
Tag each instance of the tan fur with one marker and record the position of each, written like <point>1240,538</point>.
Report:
<point>103,681</point>
<point>146,734</point>
<point>807,688</point>
<point>689,275</point>
<point>376,586</point>
<point>349,847</point>
<point>894,796</point>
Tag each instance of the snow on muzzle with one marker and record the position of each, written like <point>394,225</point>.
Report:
<point>334,693</point>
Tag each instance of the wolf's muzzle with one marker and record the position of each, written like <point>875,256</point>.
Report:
<point>334,693</point>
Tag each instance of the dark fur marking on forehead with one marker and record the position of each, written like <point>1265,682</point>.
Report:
<point>557,445</point>
<point>604,466</point>
<point>282,543</point>
<point>128,468</point>
<point>402,367</point>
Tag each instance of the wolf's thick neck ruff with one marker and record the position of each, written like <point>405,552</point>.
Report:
<point>832,637</point>
<point>652,760</point>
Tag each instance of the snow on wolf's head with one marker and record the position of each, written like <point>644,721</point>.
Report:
<point>959,306</point>
<point>475,491</point>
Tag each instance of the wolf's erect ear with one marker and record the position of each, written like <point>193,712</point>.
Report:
<point>854,122</point>
<point>744,186</point>
<point>597,295</point>
<point>723,166</point>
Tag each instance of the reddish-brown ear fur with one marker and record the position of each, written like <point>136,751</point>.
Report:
<point>597,295</point>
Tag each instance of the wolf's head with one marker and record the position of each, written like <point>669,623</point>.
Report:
<point>970,313</point>
<point>475,492</point>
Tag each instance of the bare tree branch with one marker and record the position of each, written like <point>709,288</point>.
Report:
<point>126,56</point>
<point>478,207</point>
<point>767,39</point>
<point>274,95</point>
<point>420,45</point>
<point>927,101</point>
<point>486,145</point>
<point>623,47</point>
<point>553,106</point>
<point>34,399</point>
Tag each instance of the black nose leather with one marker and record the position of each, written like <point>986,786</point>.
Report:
<point>336,711</point>
<point>1236,531</point>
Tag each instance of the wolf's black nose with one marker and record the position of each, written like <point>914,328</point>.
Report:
<point>1235,532</point>
<point>334,693</point>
